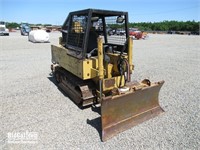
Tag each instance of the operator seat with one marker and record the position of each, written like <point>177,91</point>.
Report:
<point>92,41</point>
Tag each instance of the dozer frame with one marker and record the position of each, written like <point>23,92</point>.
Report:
<point>94,66</point>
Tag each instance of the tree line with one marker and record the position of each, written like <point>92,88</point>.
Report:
<point>146,26</point>
<point>17,25</point>
<point>162,26</point>
<point>167,26</point>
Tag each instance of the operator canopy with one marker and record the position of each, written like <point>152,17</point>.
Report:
<point>82,28</point>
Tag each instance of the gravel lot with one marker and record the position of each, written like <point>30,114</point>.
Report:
<point>31,102</point>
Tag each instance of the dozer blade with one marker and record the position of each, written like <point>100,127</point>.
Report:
<point>121,112</point>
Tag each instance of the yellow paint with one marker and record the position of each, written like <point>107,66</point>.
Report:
<point>117,79</point>
<point>130,53</point>
<point>116,84</point>
<point>77,27</point>
<point>92,68</point>
<point>100,58</point>
<point>82,68</point>
<point>109,68</point>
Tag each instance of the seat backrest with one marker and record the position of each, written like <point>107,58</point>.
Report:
<point>92,41</point>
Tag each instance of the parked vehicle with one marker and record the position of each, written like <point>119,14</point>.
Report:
<point>171,32</point>
<point>110,31</point>
<point>195,32</point>
<point>135,33</point>
<point>3,29</point>
<point>25,29</point>
<point>120,32</point>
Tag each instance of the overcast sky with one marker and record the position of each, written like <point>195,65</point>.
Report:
<point>56,11</point>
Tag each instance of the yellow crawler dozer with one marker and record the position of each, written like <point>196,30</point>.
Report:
<point>93,65</point>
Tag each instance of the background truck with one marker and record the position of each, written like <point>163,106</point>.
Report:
<point>3,29</point>
<point>25,29</point>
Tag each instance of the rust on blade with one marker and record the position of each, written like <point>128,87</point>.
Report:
<point>121,112</point>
